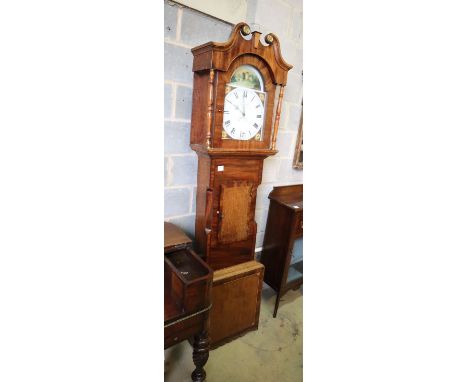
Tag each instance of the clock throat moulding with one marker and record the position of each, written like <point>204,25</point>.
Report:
<point>238,91</point>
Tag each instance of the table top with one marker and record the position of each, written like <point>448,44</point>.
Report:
<point>289,196</point>
<point>174,236</point>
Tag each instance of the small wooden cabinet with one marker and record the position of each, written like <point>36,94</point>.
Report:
<point>282,253</point>
<point>187,297</point>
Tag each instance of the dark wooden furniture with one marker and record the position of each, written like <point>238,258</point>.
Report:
<point>282,245</point>
<point>230,166</point>
<point>187,297</point>
<point>237,292</point>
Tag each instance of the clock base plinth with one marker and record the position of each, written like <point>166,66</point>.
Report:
<point>236,297</point>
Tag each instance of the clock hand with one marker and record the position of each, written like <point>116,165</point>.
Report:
<point>237,107</point>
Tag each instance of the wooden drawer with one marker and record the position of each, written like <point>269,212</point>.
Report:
<point>184,330</point>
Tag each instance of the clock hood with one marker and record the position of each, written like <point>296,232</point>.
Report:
<point>219,56</point>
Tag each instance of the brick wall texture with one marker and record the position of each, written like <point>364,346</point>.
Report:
<point>185,28</point>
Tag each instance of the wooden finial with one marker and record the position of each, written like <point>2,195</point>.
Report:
<point>245,30</point>
<point>269,39</point>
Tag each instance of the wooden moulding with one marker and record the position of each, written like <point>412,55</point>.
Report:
<point>215,152</point>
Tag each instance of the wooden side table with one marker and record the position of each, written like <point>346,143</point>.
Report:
<point>282,245</point>
<point>187,297</point>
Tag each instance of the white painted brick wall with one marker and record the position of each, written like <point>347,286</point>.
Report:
<point>177,137</point>
<point>177,201</point>
<point>183,102</point>
<point>197,29</point>
<point>185,28</point>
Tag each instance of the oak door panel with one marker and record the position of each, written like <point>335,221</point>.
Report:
<point>235,213</point>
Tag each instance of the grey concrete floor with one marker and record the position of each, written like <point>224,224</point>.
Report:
<point>272,353</point>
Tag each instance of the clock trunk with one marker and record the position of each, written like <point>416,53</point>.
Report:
<point>225,226</point>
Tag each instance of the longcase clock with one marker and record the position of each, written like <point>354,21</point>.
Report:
<point>237,96</point>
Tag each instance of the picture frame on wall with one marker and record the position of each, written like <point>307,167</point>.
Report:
<point>298,154</point>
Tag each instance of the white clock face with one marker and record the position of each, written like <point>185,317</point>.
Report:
<point>243,113</point>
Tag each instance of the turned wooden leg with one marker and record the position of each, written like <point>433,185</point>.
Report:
<point>276,304</point>
<point>201,347</point>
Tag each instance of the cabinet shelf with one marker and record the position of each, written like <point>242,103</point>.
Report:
<point>296,255</point>
<point>294,272</point>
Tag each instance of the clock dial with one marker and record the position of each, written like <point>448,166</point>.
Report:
<point>243,113</point>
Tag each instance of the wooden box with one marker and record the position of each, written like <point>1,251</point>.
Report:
<point>187,278</point>
<point>236,297</point>
<point>186,282</point>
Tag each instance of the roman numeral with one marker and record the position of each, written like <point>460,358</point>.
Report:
<point>227,123</point>
<point>237,95</point>
<point>252,99</point>
<point>258,106</point>
<point>233,130</point>
<point>259,116</point>
<point>255,125</point>
<point>245,94</point>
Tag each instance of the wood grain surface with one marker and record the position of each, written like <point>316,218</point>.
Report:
<point>236,301</point>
